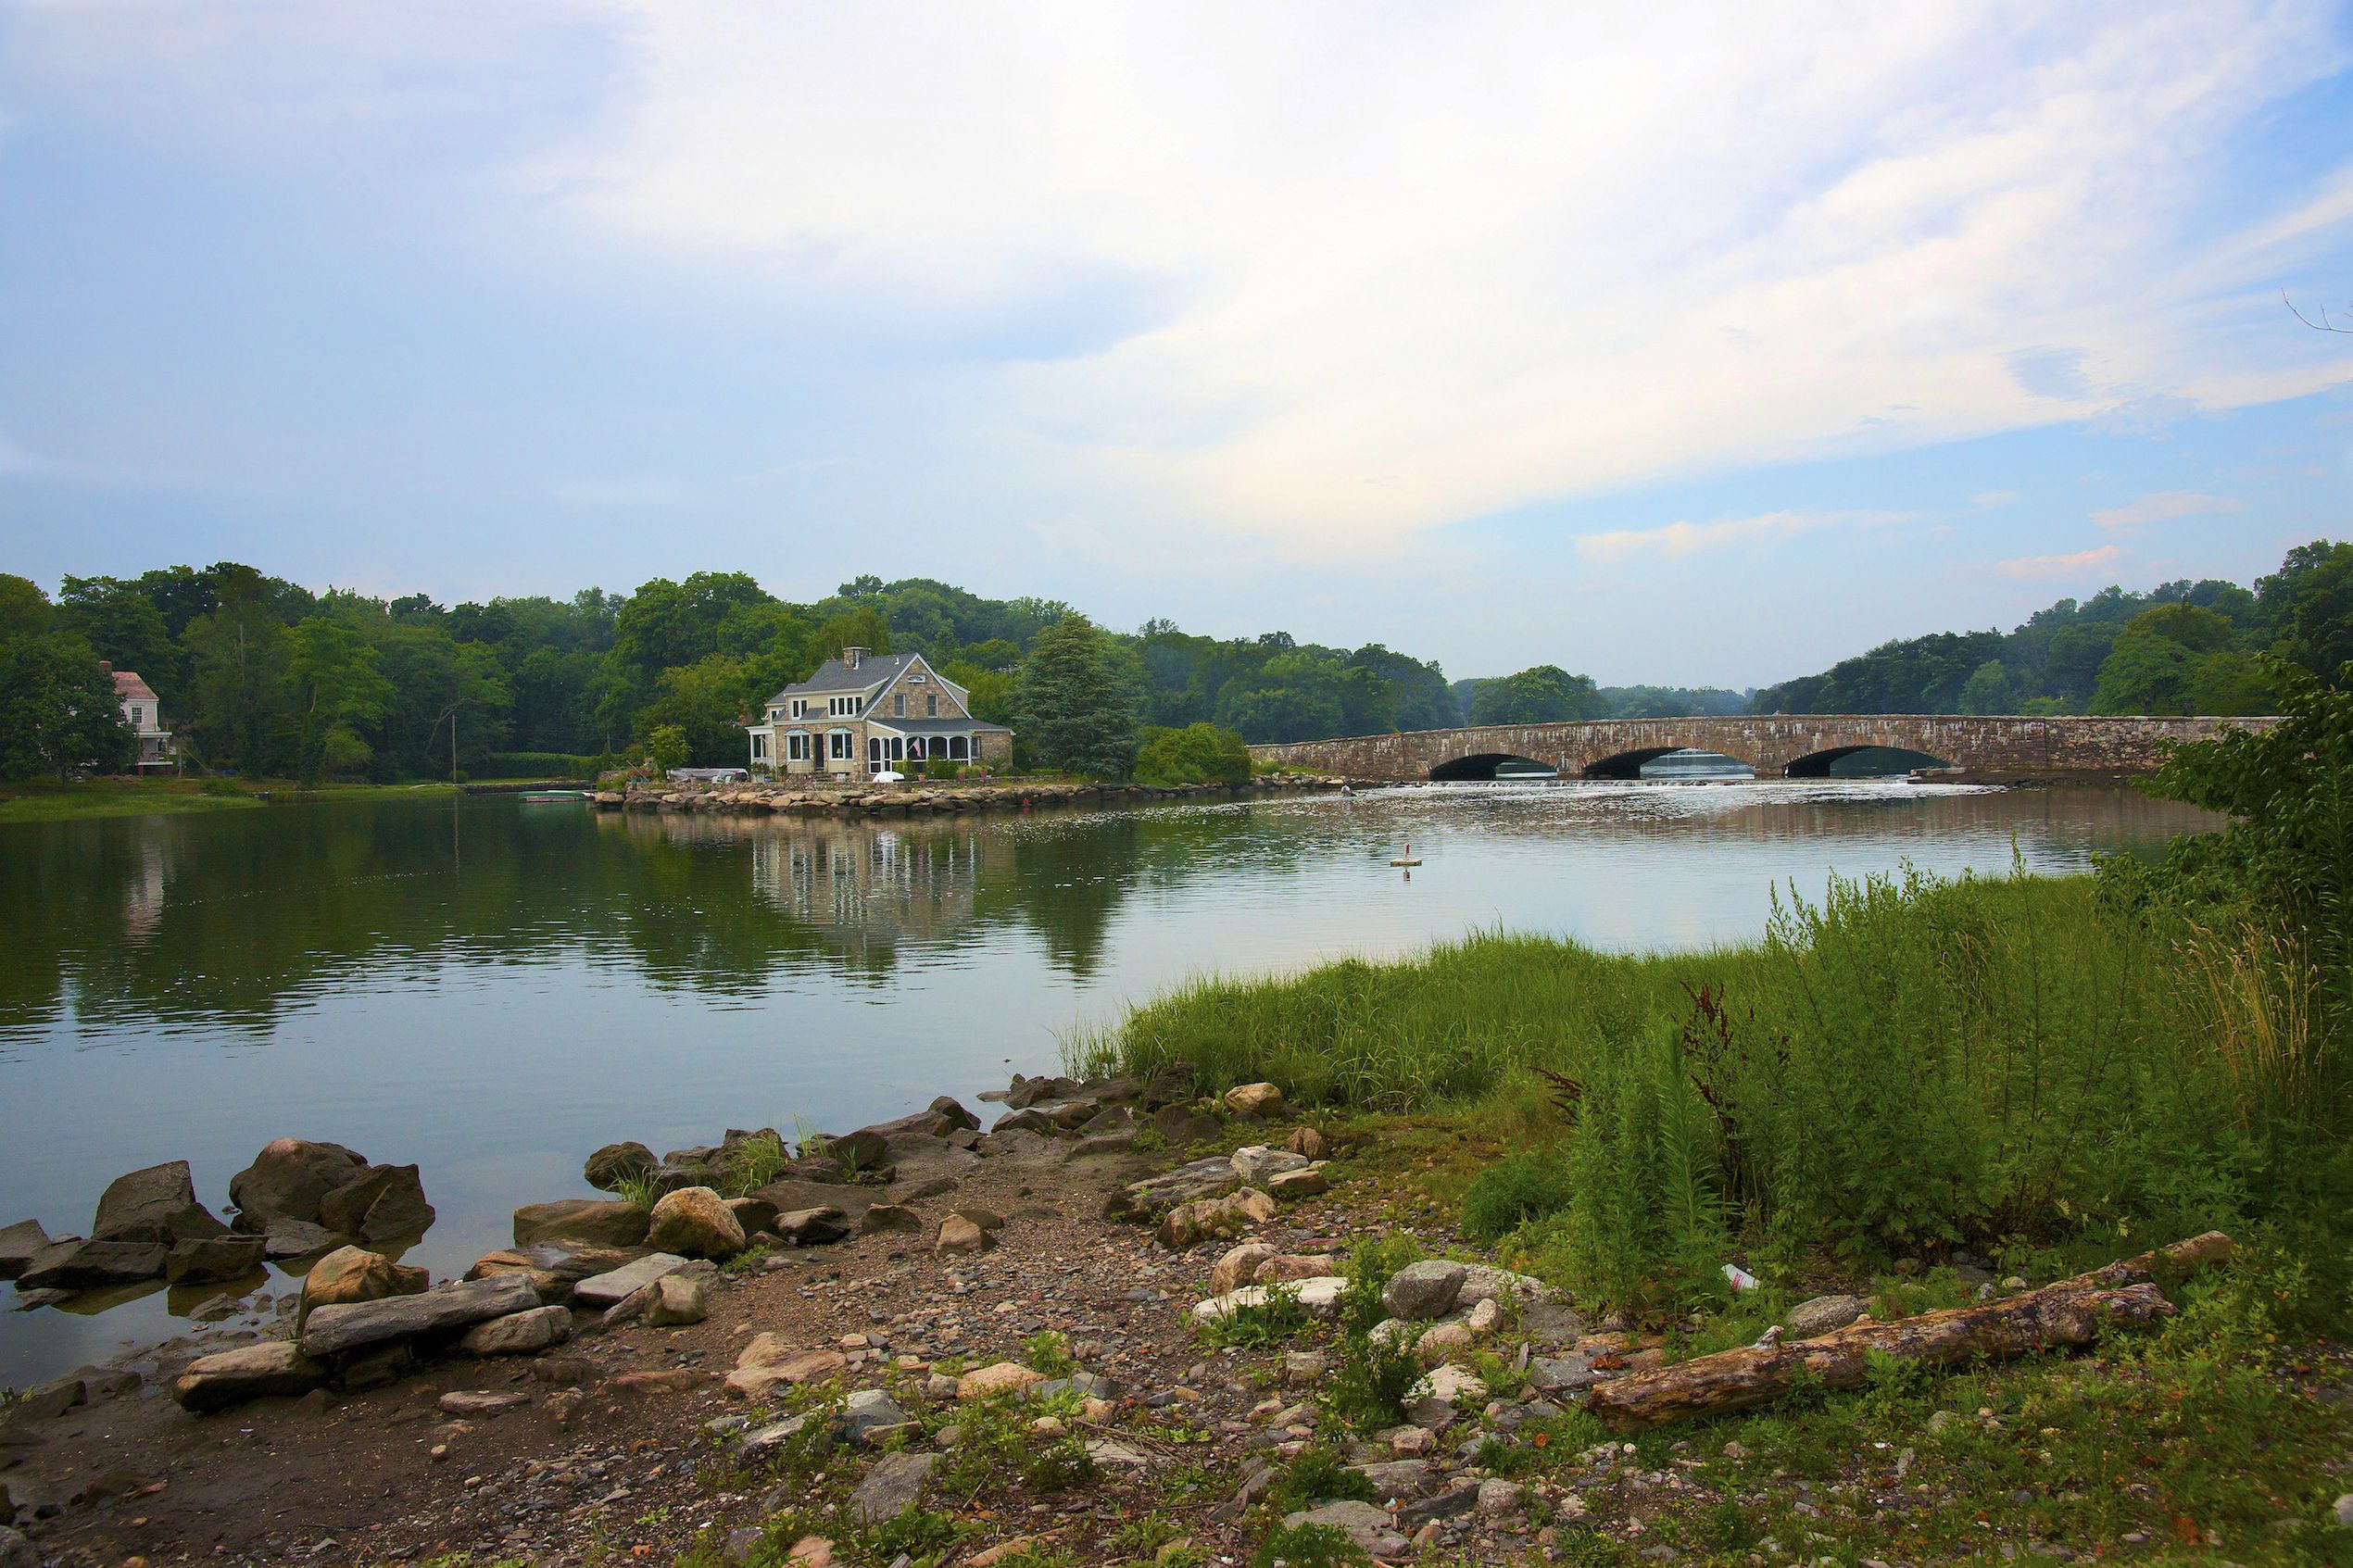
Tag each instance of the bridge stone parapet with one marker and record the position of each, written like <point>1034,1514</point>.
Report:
<point>1775,744</point>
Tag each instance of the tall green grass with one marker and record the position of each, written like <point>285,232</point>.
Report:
<point>1908,1063</point>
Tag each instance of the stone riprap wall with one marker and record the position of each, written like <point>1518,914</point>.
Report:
<point>800,795</point>
<point>1774,744</point>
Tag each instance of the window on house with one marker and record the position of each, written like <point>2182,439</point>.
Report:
<point>931,705</point>
<point>797,746</point>
<point>899,705</point>
<point>800,708</point>
<point>838,746</point>
<point>759,746</point>
<point>841,708</point>
<point>135,720</point>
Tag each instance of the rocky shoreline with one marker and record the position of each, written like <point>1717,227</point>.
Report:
<point>1129,1321</point>
<point>787,797</point>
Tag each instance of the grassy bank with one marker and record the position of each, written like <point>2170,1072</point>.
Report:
<point>47,802</point>
<point>2010,1064</point>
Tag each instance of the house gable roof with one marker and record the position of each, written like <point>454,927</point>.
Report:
<point>835,678</point>
<point>127,685</point>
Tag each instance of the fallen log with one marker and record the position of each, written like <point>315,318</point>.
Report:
<point>2072,1311</point>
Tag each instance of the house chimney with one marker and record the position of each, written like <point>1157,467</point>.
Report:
<point>853,657</point>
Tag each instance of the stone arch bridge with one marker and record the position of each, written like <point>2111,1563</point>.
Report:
<point>1794,745</point>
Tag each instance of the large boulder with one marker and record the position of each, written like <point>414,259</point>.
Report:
<point>331,1330</point>
<point>353,1273</point>
<point>1190,1225</point>
<point>277,1369</point>
<point>19,1243</point>
<point>1808,1320</point>
<point>79,1266</point>
<point>619,1163</point>
<point>517,1334</point>
<point>1240,1266</point>
<point>1254,1099</point>
<point>1423,1290</point>
<point>891,1487</point>
<point>696,1223</point>
<point>598,1222</point>
<point>771,1360</point>
<point>600,1292</point>
<point>287,1179</point>
<point>382,1203</point>
<point>813,1227</point>
<point>157,1205</point>
<point>1257,1165</point>
<point>297,1238</point>
<point>213,1259</point>
<point>1150,1199</point>
<point>677,1300</point>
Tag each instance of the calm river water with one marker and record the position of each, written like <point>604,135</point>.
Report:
<point>491,989</point>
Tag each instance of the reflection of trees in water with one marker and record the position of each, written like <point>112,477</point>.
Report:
<point>218,919</point>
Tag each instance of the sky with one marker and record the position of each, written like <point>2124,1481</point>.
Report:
<point>1690,343</point>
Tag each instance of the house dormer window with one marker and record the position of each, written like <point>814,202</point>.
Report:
<point>800,708</point>
<point>841,708</point>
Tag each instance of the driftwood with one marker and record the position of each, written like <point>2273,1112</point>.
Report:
<point>2072,1311</point>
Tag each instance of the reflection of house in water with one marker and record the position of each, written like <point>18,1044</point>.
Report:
<point>867,883</point>
<point>142,891</point>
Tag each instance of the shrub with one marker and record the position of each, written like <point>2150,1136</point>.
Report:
<point>538,765</point>
<point>1532,1184</point>
<point>943,768</point>
<point>1196,753</point>
<point>1318,1476</point>
<point>1307,1546</point>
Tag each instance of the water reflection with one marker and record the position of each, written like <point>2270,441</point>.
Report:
<point>491,991</point>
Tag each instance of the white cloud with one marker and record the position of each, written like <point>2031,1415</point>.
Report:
<point>1490,255</point>
<point>2036,567</point>
<point>1675,541</point>
<point>2160,506</point>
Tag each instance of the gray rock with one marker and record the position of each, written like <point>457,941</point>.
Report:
<point>16,1551</point>
<point>1361,1522</point>
<point>1086,1384</point>
<point>212,1259</point>
<point>619,1163</point>
<point>813,1227</point>
<point>1212,1177</point>
<point>297,1238</point>
<point>46,1401</point>
<point>1259,1164</point>
<point>287,1179</point>
<point>1423,1290</point>
<point>867,1417</point>
<point>1498,1497</point>
<point>2345,1511</point>
<point>277,1369</point>
<point>19,1243</point>
<point>948,1110</point>
<point>1397,1478</point>
<point>78,1265</point>
<point>1484,1282</point>
<point>1821,1315</point>
<point>350,1327</point>
<point>599,1291</point>
<point>1561,1375</point>
<point>517,1334</point>
<point>890,1217</point>
<point>1182,1124</point>
<point>598,1222</point>
<point>382,1203</point>
<point>678,1300</point>
<point>157,1205</point>
<point>893,1487</point>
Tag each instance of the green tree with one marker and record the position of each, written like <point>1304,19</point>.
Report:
<point>25,610</point>
<point>1196,753</point>
<point>58,707</point>
<point>666,747</point>
<point>1077,700</point>
<point>1298,693</point>
<point>1988,690</point>
<point>2308,607</point>
<point>2229,684</point>
<point>236,697</point>
<point>2149,669</point>
<point>122,624</point>
<point>706,702</point>
<point>860,628</point>
<point>337,695</point>
<point>1545,695</point>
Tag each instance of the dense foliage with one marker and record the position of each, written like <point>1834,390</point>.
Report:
<point>57,705</point>
<point>2182,647</point>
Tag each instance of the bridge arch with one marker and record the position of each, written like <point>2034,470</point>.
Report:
<point>1864,759</point>
<point>1629,764</point>
<point>1481,765</point>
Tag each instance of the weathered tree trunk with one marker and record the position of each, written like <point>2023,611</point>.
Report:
<point>2073,1311</point>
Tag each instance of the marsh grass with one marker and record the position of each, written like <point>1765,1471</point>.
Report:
<point>1906,1065</point>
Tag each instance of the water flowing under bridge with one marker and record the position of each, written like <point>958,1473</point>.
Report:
<point>1783,745</point>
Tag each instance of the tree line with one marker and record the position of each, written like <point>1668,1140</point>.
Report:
<point>263,677</point>
<point>2182,647</point>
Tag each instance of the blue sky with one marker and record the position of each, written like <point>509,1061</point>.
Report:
<point>1672,343</point>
